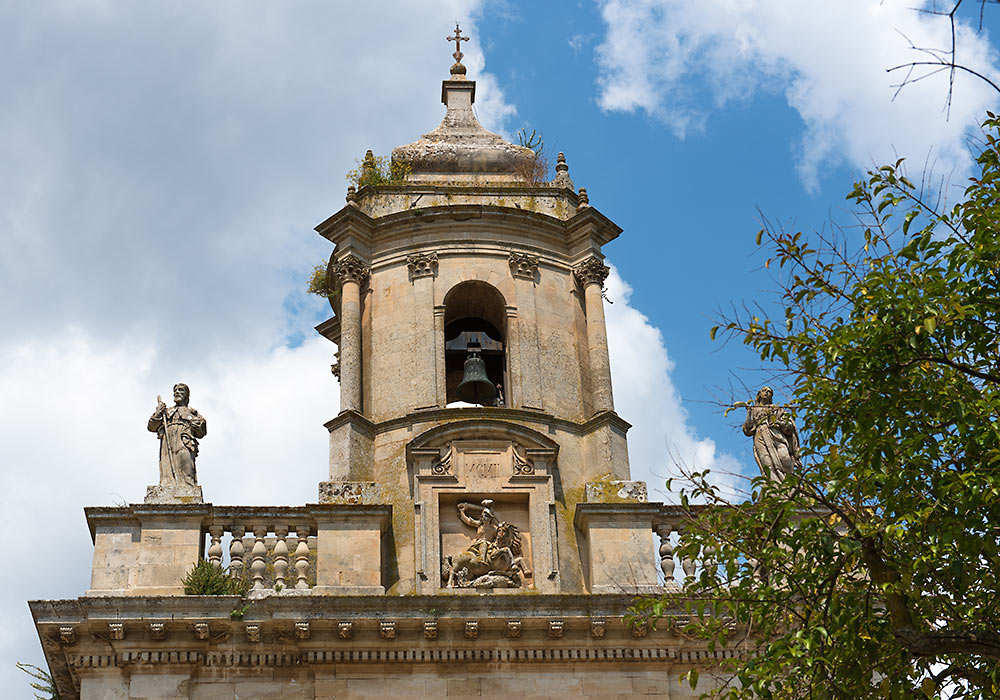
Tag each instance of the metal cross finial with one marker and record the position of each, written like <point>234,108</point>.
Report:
<point>458,39</point>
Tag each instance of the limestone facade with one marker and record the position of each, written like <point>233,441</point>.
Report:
<point>357,595</point>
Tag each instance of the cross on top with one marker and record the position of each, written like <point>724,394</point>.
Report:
<point>458,39</point>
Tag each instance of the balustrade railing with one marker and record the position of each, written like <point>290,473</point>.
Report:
<point>271,547</point>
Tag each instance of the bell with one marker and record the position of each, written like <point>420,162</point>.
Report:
<point>475,386</point>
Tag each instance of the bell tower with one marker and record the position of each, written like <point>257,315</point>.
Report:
<point>469,316</point>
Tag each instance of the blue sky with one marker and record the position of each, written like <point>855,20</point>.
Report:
<point>162,166</point>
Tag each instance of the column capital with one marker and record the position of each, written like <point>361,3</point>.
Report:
<point>422,265</point>
<point>351,268</point>
<point>591,271</point>
<point>523,265</point>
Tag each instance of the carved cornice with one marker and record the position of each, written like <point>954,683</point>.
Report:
<point>422,265</point>
<point>591,271</point>
<point>523,265</point>
<point>351,268</point>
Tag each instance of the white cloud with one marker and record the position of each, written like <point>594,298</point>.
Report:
<point>661,440</point>
<point>829,59</point>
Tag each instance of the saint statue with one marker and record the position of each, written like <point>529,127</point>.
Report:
<point>178,428</point>
<point>775,438</point>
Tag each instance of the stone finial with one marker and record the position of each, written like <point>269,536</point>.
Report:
<point>352,195</point>
<point>582,200</point>
<point>368,165</point>
<point>458,68</point>
<point>562,173</point>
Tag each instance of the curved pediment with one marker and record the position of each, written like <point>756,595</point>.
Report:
<point>483,429</point>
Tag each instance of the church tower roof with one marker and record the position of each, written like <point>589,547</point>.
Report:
<point>460,149</point>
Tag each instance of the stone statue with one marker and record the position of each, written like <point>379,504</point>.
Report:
<point>178,429</point>
<point>775,438</point>
<point>493,560</point>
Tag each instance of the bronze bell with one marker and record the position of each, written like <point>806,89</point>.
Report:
<point>475,386</point>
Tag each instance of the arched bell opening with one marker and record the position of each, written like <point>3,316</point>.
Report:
<point>475,350</point>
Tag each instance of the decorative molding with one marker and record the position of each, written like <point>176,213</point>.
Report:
<point>422,265</point>
<point>253,633</point>
<point>591,271</point>
<point>158,630</point>
<point>302,630</point>
<point>640,629</point>
<point>523,265</point>
<point>202,630</point>
<point>471,629</point>
<point>67,635</point>
<point>387,629</point>
<point>116,631</point>
<point>556,629</point>
<point>430,629</point>
<point>443,467</point>
<point>617,654</point>
<point>514,629</point>
<point>345,630</point>
<point>522,465</point>
<point>597,628</point>
<point>351,268</point>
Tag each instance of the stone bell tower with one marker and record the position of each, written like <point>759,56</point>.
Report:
<point>472,256</point>
<point>478,534</point>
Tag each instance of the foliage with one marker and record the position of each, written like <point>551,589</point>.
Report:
<point>872,572</point>
<point>319,285</point>
<point>536,170</point>
<point>378,170</point>
<point>206,578</point>
<point>44,683</point>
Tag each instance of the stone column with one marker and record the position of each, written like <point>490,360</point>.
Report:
<point>423,268</point>
<point>524,269</point>
<point>591,274</point>
<point>352,273</point>
<point>440,380</point>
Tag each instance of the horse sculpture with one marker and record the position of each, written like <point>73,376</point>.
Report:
<point>495,563</point>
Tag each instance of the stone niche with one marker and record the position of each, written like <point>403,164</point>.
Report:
<point>469,462</point>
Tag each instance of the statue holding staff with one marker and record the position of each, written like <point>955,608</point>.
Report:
<point>775,437</point>
<point>178,429</point>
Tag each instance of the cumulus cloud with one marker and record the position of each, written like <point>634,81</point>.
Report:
<point>662,442</point>
<point>679,60</point>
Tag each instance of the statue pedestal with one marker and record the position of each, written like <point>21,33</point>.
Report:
<point>173,493</point>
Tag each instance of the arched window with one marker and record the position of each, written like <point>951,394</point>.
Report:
<point>475,323</point>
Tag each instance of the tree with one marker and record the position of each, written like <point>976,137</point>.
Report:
<point>871,571</point>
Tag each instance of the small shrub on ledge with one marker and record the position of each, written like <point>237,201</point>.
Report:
<point>207,578</point>
<point>378,170</point>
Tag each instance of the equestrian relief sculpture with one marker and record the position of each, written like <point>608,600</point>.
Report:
<point>178,429</point>
<point>493,560</point>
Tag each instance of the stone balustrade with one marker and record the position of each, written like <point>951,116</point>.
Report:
<point>325,548</point>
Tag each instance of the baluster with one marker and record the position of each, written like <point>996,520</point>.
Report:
<point>258,553</point>
<point>302,556</point>
<point>667,563</point>
<point>215,548</point>
<point>710,561</point>
<point>236,551</point>
<point>280,556</point>
<point>688,565</point>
